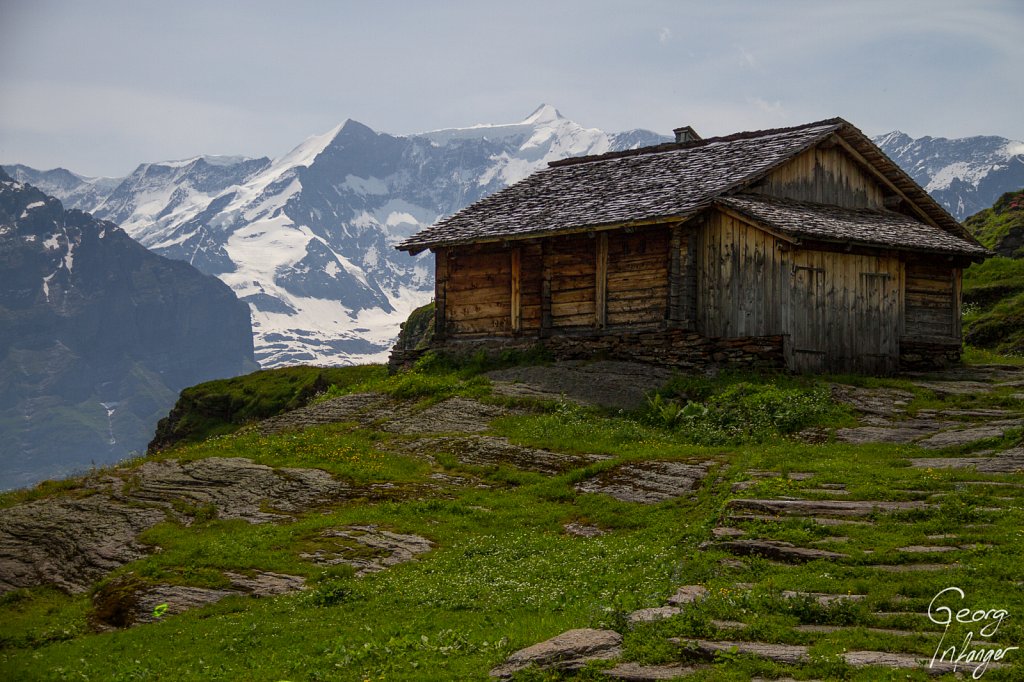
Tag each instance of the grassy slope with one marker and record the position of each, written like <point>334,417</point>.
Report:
<point>993,291</point>
<point>503,574</point>
<point>992,225</point>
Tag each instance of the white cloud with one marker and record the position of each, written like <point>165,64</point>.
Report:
<point>774,108</point>
<point>664,35</point>
<point>746,58</point>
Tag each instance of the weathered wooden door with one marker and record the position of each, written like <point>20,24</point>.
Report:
<point>876,324</point>
<point>807,350</point>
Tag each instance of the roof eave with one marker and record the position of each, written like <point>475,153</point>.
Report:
<point>542,233</point>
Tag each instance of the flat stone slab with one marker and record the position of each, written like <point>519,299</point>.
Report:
<point>361,408</point>
<point>774,549</point>
<point>688,594</point>
<point>726,532</point>
<point>69,543</point>
<point>795,655</point>
<point>126,603</point>
<point>565,652</point>
<point>829,629</point>
<point>927,549</point>
<point>653,614</point>
<point>966,387</point>
<point>583,530</point>
<point>820,520</point>
<point>958,437</point>
<point>494,451</point>
<point>781,653</point>
<point>887,402</point>
<point>833,508</point>
<point>893,432</point>
<point>635,672</point>
<point>179,598</point>
<point>454,415</point>
<point>237,488</point>
<point>617,385</point>
<point>823,598</point>
<point>368,549</point>
<point>647,482</point>
<point>1006,462</point>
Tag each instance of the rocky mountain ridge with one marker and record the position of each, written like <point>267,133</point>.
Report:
<point>97,336</point>
<point>965,175</point>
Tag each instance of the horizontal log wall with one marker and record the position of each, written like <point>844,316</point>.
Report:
<point>637,280</point>
<point>826,176</point>
<point>478,291</point>
<point>531,266</point>
<point>932,301</point>
<point>572,263</point>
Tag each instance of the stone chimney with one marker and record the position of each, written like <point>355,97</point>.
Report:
<point>686,134</point>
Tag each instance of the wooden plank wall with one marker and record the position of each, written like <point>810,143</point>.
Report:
<point>827,176</point>
<point>932,301</point>
<point>638,281</point>
<point>743,281</point>
<point>479,286</point>
<point>843,311</point>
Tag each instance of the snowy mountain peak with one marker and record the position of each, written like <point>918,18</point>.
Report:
<point>305,153</point>
<point>545,113</point>
<point>966,174</point>
<point>209,159</point>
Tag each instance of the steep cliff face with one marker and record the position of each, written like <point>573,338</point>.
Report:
<point>97,336</point>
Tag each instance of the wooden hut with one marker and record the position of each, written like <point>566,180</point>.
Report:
<point>803,247</point>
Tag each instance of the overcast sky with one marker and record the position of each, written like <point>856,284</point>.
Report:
<point>99,86</point>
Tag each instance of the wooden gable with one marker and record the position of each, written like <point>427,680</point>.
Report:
<point>824,174</point>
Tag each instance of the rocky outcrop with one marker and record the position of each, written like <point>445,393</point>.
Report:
<point>99,335</point>
<point>566,652</point>
<point>71,542</point>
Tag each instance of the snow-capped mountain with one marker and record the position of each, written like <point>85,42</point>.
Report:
<point>306,240</point>
<point>965,175</point>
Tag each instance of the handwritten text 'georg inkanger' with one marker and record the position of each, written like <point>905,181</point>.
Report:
<point>987,622</point>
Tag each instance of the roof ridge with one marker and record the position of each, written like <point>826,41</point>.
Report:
<point>676,146</point>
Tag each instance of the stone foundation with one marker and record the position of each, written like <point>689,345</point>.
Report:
<point>670,347</point>
<point>926,355</point>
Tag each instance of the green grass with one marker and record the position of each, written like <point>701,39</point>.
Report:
<point>993,294</point>
<point>992,225</point>
<point>503,574</point>
<point>223,406</point>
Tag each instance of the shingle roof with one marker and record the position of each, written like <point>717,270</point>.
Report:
<point>871,227</point>
<point>673,180</point>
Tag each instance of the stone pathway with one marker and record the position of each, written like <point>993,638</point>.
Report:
<point>749,530</point>
<point>884,418</point>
